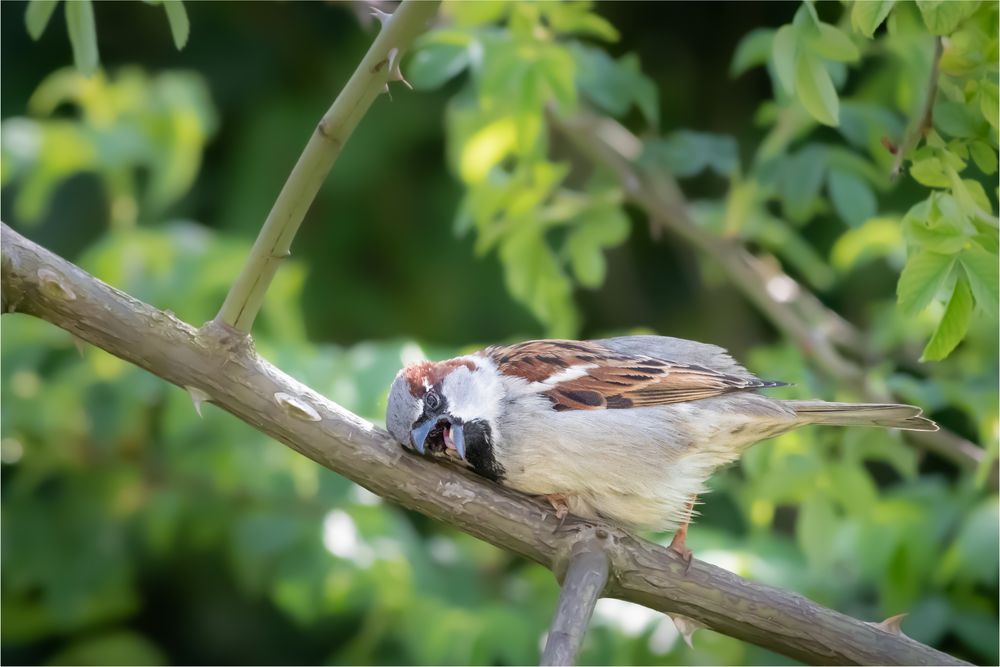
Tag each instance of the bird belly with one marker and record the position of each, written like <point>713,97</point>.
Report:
<point>636,467</point>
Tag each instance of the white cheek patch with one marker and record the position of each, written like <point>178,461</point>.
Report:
<point>473,395</point>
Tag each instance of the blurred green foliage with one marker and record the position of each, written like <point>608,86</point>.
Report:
<point>135,532</point>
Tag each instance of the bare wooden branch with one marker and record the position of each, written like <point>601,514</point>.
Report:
<point>820,333</point>
<point>221,364</point>
<point>584,582</point>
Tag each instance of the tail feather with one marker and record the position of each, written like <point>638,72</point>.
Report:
<point>906,417</point>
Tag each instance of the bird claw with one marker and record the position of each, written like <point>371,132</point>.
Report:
<point>678,546</point>
<point>558,502</point>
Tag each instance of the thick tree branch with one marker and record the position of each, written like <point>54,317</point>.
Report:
<point>219,363</point>
<point>815,329</point>
<point>379,66</point>
<point>584,582</point>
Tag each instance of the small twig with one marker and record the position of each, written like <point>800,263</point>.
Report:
<point>586,577</point>
<point>925,121</point>
<point>812,327</point>
<point>273,244</point>
<point>37,282</point>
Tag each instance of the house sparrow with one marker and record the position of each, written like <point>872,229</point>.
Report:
<point>623,429</point>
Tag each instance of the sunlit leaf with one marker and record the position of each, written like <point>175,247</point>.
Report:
<point>953,325</point>
<point>922,278</point>
<point>875,238</point>
<point>868,15</point>
<point>831,42</point>
<point>984,278</point>
<point>984,156</point>
<point>942,16</point>
<point>815,90</point>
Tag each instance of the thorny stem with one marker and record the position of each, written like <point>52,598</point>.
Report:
<point>925,121</point>
<point>369,80</point>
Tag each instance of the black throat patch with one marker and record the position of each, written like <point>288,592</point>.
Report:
<point>479,450</point>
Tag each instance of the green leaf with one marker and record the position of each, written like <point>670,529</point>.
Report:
<point>615,85</point>
<point>815,90</point>
<point>82,35</point>
<point>921,279</point>
<point>930,172</point>
<point>868,15</point>
<point>984,278</point>
<point>937,223</point>
<point>978,536</point>
<point>852,197</point>
<point>953,325</point>
<point>436,63</point>
<point>989,103</point>
<point>37,16</point>
<point>853,488</point>
<point>784,51</point>
<point>559,71</point>
<point>578,18</point>
<point>753,50</point>
<point>984,156</point>
<point>600,228</point>
<point>877,237</point>
<point>117,647</point>
<point>536,279</point>
<point>800,182</point>
<point>816,531</point>
<point>958,120</point>
<point>942,16</point>
<point>686,153</point>
<point>831,42</point>
<point>180,26</point>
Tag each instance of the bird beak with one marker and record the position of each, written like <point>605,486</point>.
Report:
<point>458,438</point>
<point>454,436</point>
<point>419,435</point>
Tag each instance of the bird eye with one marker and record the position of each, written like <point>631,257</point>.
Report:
<point>432,400</point>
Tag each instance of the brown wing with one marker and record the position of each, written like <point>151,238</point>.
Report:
<point>588,376</point>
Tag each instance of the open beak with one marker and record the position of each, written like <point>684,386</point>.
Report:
<point>418,436</point>
<point>454,435</point>
<point>455,438</point>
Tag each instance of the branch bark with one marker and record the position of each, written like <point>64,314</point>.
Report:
<point>218,362</point>
<point>818,331</point>
<point>379,66</point>
<point>585,580</point>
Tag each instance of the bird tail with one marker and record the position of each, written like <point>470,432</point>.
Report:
<point>889,415</point>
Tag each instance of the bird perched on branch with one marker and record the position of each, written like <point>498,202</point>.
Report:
<point>623,429</point>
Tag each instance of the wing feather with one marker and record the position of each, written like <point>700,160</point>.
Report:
<point>587,375</point>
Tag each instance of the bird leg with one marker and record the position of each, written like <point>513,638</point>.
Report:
<point>558,502</point>
<point>677,545</point>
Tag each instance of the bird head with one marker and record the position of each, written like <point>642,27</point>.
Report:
<point>446,406</point>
